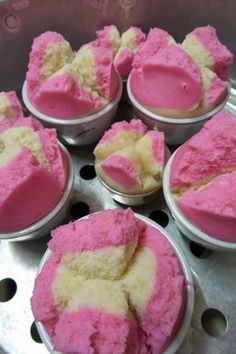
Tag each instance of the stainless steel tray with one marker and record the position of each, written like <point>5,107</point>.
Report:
<point>213,325</point>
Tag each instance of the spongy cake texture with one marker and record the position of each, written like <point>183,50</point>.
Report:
<point>181,80</point>
<point>203,178</point>
<point>33,173</point>
<point>68,85</point>
<point>131,159</point>
<point>134,311</point>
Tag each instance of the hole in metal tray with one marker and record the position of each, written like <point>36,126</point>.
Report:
<point>199,251</point>
<point>159,216</point>
<point>7,289</point>
<point>35,334</point>
<point>78,210</point>
<point>214,322</point>
<point>87,172</point>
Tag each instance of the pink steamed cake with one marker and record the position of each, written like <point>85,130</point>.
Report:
<point>131,40</point>
<point>129,159</point>
<point>203,178</point>
<point>89,328</point>
<point>170,70</point>
<point>76,86</point>
<point>33,174</point>
<point>181,81</point>
<point>206,49</point>
<point>10,109</point>
<point>156,40</point>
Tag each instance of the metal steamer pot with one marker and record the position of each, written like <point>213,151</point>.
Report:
<point>213,325</point>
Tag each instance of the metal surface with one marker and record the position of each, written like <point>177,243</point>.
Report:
<point>187,316</point>
<point>214,273</point>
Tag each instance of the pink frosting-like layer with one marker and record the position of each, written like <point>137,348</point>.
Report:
<point>135,125</point>
<point>16,109</point>
<point>169,79</point>
<point>5,124</point>
<point>109,228</point>
<point>213,208</point>
<point>39,47</point>
<point>15,105</point>
<point>158,146</point>
<point>139,35</point>
<point>217,91</point>
<point>210,152</point>
<point>105,71</point>
<point>222,56</point>
<point>61,97</point>
<point>27,192</point>
<point>50,147</point>
<point>123,62</point>
<point>156,39</point>
<point>42,300</point>
<point>93,331</point>
<point>164,310</point>
<point>121,170</point>
<point>104,36</point>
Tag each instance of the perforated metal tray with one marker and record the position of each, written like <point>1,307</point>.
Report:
<point>214,321</point>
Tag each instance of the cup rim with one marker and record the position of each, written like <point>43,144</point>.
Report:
<point>201,236</point>
<point>189,289</point>
<point>44,220</point>
<point>74,121</point>
<point>126,195</point>
<point>172,120</point>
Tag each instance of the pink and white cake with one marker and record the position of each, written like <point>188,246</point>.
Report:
<point>49,53</point>
<point>10,109</point>
<point>131,40</point>
<point>32,174</point>
<point>170,70</point>
<point>157,39</point>
<point>137,310</point>
<point>109,37</point>
<point>203,45</point>
<point>81,85</point>
<point>130,159</point>
<point>181,81</point>
<point>203,178</point>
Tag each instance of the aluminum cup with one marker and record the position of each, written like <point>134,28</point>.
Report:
<point>189,293</point>
<point>130,199</point>
<point>184,224</point>
<point>176,130</point>
<point>79,131</point>
<point>55,216</point>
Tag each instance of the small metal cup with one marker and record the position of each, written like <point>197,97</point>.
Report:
<point>184,224</point>
<point>176,130</point>
<point>54,217</point>
<point>130,199</point>
<point>189,292</point>
<point>79,131</point>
